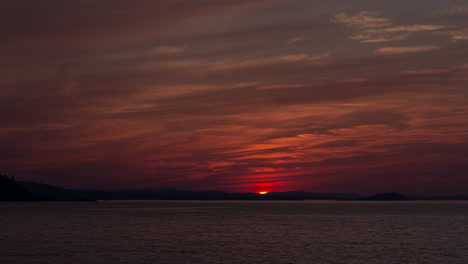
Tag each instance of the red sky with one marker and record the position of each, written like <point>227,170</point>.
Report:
<point>324,96</point>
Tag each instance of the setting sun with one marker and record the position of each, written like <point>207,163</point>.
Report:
<point>262,192</point>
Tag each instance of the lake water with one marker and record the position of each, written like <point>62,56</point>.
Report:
<point>313,232</point>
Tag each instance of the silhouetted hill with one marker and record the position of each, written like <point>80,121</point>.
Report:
<point>59,193</point>
<point>38,191</point>
<point>10,190</point>
<point>302,195</point>
<point>156,194</point>
<point>382,197</point>
<point>175,194</point>
<point>54,193</point>
<point>458,197</point>
<point>387,197</point>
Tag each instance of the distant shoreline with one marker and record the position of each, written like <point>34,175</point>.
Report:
<point>37,192</point>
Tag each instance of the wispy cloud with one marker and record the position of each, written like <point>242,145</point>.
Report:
<point>405,50</point>
<point>460,34</point>
<point>169,49</point>
<point>374,28</point>
<point>427,72</point>
<point>295,40</point>
<point>262,62</point>
<point>363,19</point>
<point>456,10</point>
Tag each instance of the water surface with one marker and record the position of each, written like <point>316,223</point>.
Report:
<point>234,232</point>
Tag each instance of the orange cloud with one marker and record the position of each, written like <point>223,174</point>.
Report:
<point>405,50</point>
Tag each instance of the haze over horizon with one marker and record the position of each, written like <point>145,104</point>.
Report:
<point>241,96</point>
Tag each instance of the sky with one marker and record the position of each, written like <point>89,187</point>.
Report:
<point>361,96</point>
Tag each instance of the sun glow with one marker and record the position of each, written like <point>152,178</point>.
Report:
<point>262,193</point>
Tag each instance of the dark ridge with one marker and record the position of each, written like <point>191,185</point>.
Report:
<point>458,197</point>
<point>387,197</point>
<point>53,193</point>
<point>171,194</point>
<point>382,197</point>
<point>11,191</point>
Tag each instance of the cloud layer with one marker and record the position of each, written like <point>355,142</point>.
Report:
<point>235,95</point>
